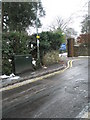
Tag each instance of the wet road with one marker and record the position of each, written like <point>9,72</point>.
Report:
<point>63,95</point>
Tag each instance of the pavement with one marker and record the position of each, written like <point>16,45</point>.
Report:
<point>37,73</point>
<point>34,74</point>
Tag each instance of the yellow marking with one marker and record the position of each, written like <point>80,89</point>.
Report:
<point>70,63</point>
<point>35,79</point>
<point>37,36</point>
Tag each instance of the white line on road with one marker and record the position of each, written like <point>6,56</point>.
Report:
<point>84,113</point>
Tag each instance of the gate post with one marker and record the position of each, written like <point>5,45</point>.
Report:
<point>70,47</point>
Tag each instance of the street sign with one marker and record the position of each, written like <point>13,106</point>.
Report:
<point>37,37</point>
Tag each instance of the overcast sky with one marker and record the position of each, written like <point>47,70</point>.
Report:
<point>64,9</point>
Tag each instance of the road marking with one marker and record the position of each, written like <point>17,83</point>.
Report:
<point>84,113</point>
<point>84,56</point>
<point>69,64</point>
<point>25,96</point>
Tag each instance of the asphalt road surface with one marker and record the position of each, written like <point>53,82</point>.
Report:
<point>63,95</point>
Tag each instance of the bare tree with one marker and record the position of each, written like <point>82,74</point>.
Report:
<point>60,24</point>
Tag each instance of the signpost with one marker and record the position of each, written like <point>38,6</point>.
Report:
<point>38,54</point>
<point>37,37</point>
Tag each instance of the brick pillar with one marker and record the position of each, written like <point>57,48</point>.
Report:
<point>70,47</point>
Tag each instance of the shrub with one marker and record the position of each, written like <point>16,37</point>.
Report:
<point>50,41</point>
<point>51,58</point>
<point>6,67</point>
<point>13,43</point>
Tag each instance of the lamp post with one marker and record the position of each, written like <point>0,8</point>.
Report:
<point>37,37</point>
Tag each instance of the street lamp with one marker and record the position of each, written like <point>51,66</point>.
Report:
<point>37,37</point>
<point>38,55</point>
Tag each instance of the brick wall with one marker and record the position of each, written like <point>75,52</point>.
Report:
<point>83,38</point>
